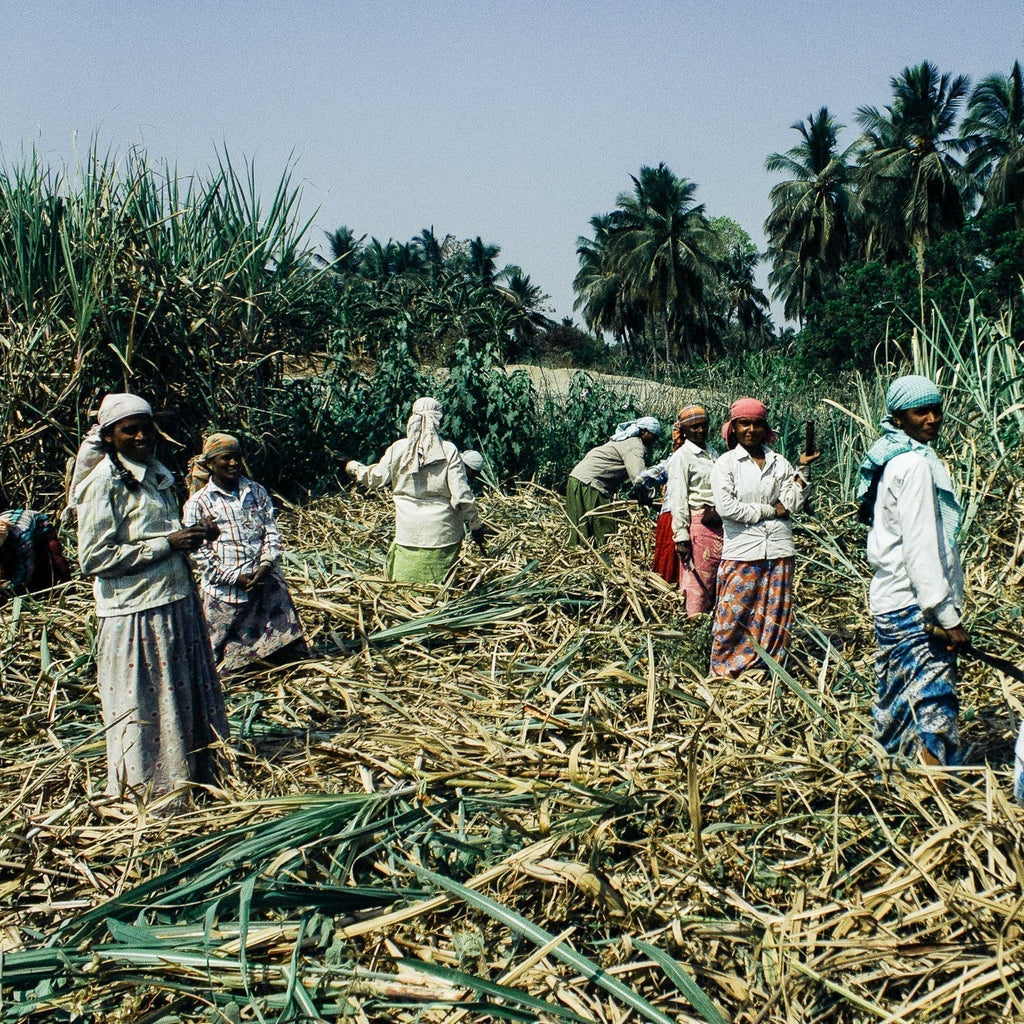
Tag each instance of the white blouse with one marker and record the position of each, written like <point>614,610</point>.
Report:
<point>914,562</point>
<point>122,539</point>
<point>745,496</point>
<point>433,505</point>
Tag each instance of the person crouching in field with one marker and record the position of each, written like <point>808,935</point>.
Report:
<point>600,473</point>
<point>906,494</point>
<point>696,526</point>
<point>162,702</point>
<point>434,504</point>
<point>755,491</point>
<point>248,609</point>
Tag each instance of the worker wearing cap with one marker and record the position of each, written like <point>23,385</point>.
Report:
<point>907,495</point>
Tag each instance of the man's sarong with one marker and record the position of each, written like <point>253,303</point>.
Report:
<point>916,704</point>
<point>755,602</point>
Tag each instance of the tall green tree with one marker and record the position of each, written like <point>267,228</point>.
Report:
<point>911,183</point>
<point>746,305</point>
<point>600,292</point>
<point>993,133</point>
<point>659,242</point>
<point>809,228</point>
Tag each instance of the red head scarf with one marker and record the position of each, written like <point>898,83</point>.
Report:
<point>747,409</point>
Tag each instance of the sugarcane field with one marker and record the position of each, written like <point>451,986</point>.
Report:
<point>378,646</point>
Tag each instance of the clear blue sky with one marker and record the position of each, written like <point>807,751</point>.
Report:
<point>513,121</point>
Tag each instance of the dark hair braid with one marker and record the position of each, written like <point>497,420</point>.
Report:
<point>121,471</point>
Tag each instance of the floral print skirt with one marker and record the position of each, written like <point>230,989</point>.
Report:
<point>755,603</point>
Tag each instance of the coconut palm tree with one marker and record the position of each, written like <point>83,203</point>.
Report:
<point>600,294</point>
<point>912,185</point>
<point>993,132</point>
<point>659,244</point>
<point>810,225</point>
<point>527,304</point>
<point>746,304</point>
<point>344,248</point>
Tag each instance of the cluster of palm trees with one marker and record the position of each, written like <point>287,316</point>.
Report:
<point>664,280</point>
<point>910,178</point>
<point>442,289</point>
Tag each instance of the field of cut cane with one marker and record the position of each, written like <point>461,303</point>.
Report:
<point>520,798</point>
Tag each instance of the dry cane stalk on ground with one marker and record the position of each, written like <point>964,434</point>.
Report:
<point>542,732</point>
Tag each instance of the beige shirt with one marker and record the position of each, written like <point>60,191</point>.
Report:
<point>433,506</point>
<point>122,539</point>
<point>689,486</point>
<point>608,466</point>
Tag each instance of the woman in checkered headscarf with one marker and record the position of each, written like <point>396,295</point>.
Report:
<point>918,586</point>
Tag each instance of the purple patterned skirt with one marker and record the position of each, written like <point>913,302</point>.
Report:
<point>258,630</point>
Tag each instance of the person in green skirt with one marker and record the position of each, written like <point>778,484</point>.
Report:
<point>600,473</point>
<point>434,504</point>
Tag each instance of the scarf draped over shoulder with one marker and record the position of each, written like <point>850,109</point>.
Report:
<point>895,442</point>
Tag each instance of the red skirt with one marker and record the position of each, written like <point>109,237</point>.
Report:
<point>666,561</point>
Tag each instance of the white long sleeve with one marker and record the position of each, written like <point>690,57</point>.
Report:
<point>689,486</point>
<point>914,562</point>
<point>745,496</point>
<point>433,505</point>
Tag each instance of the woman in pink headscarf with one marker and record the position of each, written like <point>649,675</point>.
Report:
<point>755,491</point>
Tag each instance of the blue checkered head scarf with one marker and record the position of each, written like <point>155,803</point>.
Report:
<point>911,392</point>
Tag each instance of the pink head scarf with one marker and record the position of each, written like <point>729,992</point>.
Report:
<point>746,409</point>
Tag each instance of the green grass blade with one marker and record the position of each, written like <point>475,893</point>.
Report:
<point>540,937</point>
<point>782,674</point>
<point>696,995</point>
<point>492,988</point>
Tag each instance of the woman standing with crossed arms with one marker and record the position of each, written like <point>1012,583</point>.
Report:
<point>755,491</point>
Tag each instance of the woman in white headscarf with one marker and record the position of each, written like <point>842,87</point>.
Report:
<point>434,504</point>
<point>601,472</point>
<point>162,703</point>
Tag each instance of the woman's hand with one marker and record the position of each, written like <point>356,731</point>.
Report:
<point>187,539</point>
<point>253,581</point>
<point>806,460</point>
<point>684,548</point>
<point>209,524</point>
<point>781,512</point>
<point>710,517</point>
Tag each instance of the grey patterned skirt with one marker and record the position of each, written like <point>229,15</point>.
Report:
<point>162,702</point>
<point>263,628</point>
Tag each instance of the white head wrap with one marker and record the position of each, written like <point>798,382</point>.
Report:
<point>424,445</point>
<point>117,407</point>
<point>114,408</point>
<point>632,428</point>
<point>473,460</point>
